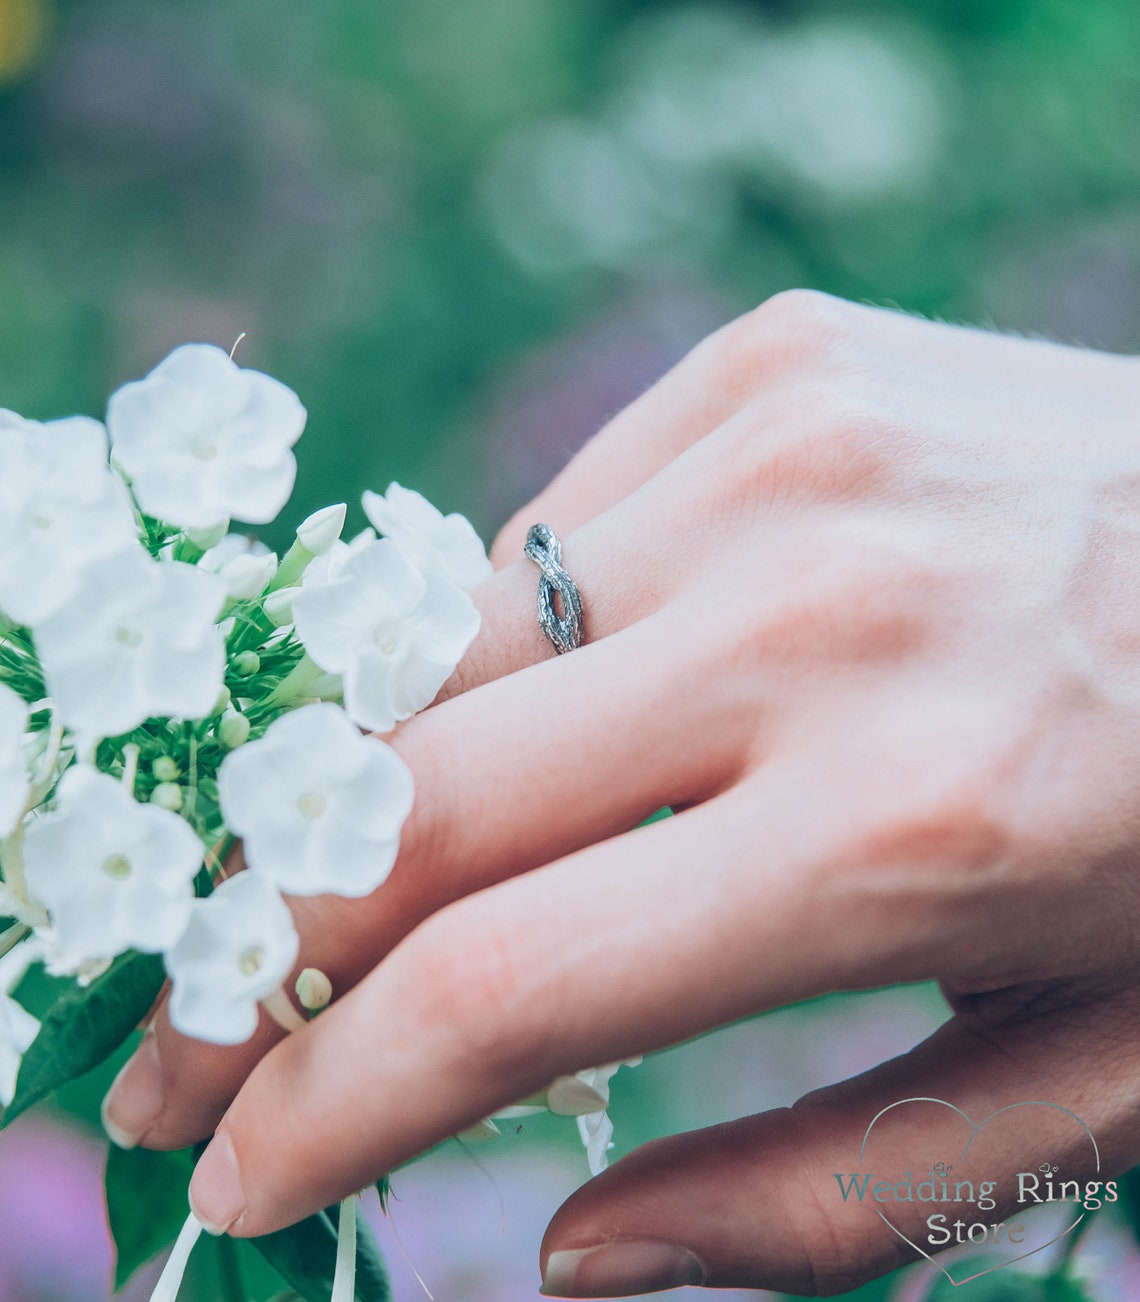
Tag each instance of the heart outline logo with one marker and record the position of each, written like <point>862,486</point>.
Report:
<point>975,1130</point>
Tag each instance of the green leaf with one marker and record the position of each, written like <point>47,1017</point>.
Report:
<point>85,1026</point>
<point>304,1255</point>
<point>146,1204</point>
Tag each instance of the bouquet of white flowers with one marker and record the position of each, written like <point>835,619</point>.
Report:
<point>167,686</point>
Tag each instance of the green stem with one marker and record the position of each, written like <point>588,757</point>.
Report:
<point>11,938</point>
<point>229,1269</point>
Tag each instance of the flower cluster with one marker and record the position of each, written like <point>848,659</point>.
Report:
<point>167,686</point>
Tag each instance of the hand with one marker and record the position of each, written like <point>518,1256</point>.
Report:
<point>862,602</point>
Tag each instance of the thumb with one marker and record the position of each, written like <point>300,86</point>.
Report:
<point>756,1203</point>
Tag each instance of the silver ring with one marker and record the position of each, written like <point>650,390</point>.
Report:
<point>564,632</point>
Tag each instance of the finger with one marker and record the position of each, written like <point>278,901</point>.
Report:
<point>522,772</point>
<point>627,946</point>
<point>635,558</point>
<point>756,1204</point>
<point>718,377</point>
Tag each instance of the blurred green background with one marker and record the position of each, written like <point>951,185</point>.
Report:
<point>466,234</point>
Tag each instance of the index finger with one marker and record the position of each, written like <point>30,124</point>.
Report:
<point>624,947</point>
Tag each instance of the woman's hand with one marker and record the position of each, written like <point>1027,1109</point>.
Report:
<point>862,602</point>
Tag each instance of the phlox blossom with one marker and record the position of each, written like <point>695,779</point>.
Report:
<point>393,634</point>
<point>432,541</point>
<point>319,806</point>
<point>203,439</point>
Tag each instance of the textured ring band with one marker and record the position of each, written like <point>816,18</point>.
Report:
<point>564,632</point>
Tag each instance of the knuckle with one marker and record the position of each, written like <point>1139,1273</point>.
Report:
<point>842,593</point>
<point>820,440</point>
<point>789,331</point>
<point>959,821</point>
<point>472,991</point>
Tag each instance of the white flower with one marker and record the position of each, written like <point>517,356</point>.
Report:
<point>114,874</point>
<point>61,507</point>
<point>139,640</point>
<point>595,1128</point>
<point>13,771</point>
<point>245,566</point>
<point>202,439</point>
<point>394,634</point>
<point>431,540</point>
<point>318,805</point>
<point>319,531</point>
<point>238,949</point>
<point>329,565</point>
<point>18,1028</point>
<point>597,1132</point>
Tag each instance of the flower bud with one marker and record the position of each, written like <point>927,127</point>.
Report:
<point>166,770</point>
<point>207,538</point>
<point>314,989</point>
<point>167,795</point>
<point>278,607</point>
<point>246,663</point>
<point>233,731</point>
<point>318,533</point>
<point>248,575</point>
<point>222,703</point>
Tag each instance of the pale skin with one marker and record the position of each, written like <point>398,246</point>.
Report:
<point>862,605</point>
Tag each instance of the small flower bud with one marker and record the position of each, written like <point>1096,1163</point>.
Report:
<point>233,731</point>
<point>221,704</point>
<point>207,538</point>
<point>278,607</point>
<point>314,989</point>
<point>248,575</point>
<point>318,533</point>
<point>246,663</point>
<point>167,795</point>
<point>166,770</point>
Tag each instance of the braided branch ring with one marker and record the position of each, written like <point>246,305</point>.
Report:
<point>564,632</point>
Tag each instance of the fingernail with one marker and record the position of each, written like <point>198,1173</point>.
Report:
<point>136,1097</point>
<point>216,1198</point>
<point>621,1268</point>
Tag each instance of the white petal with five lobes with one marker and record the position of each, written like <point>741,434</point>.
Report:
<point>61,507</point>
<point>238,949</point>
<point>203,439</point>
<point>138,641</point>
<point>432,541</point>
<point>113,874</point>
<point>14,783</point>
<point>318,805</point>
<point>393,633</point>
